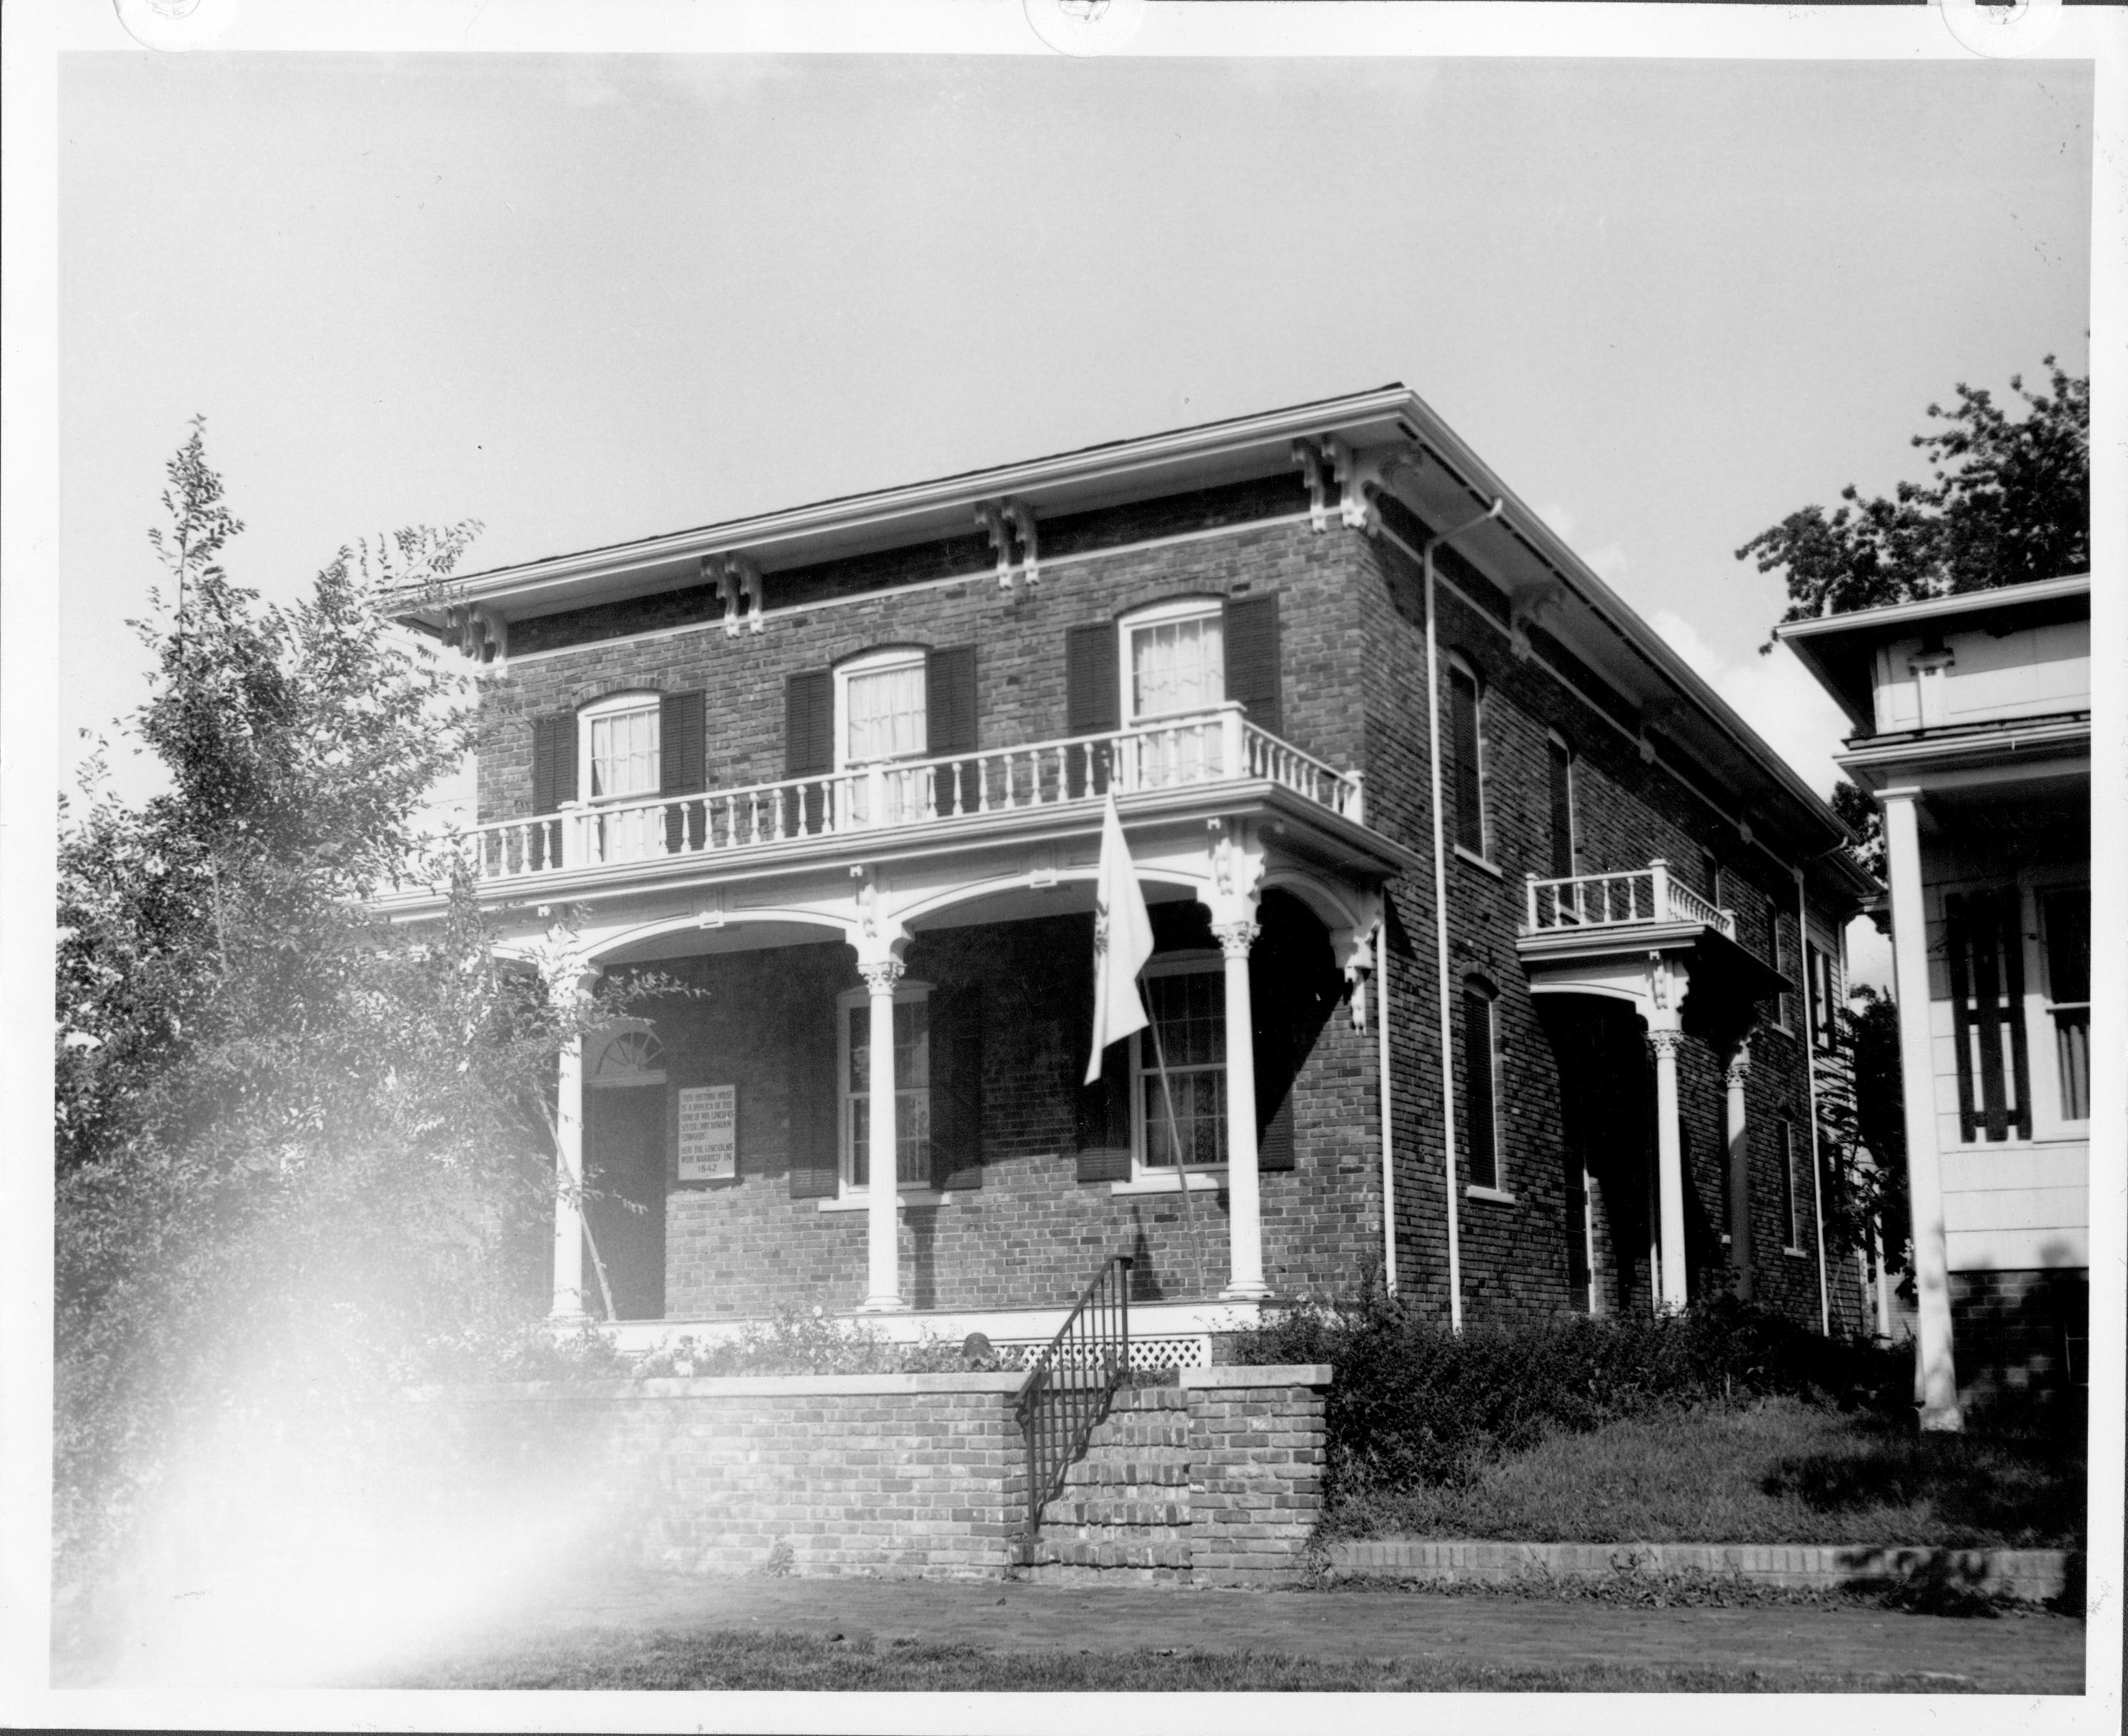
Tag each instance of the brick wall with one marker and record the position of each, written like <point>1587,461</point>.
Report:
<point>1628,811</point>
<point>922,1475</point>
<point>2019,1337</point>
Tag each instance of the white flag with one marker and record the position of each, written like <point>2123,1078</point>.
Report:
<point>1122,942</point>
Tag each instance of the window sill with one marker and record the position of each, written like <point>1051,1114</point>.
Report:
<point>1795,1253</point>
<point>1201,1181</point>
<point>909,1197</point>
<point>1499,1196</point>
<point>1478,861</point>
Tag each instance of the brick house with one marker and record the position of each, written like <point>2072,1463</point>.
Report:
<point>1972,730</point>
<point>844,767</point>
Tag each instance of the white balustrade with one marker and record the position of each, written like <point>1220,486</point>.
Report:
<point>1215,746</point>
<point>1649,894</point>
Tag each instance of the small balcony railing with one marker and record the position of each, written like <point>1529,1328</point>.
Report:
<point>1212,747</point>
<point>1646,894</point>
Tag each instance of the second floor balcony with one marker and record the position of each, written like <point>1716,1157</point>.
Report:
<point>1638,936</point>
<point>1214,757</point>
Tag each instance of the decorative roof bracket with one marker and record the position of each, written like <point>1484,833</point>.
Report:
<point>993,522</point>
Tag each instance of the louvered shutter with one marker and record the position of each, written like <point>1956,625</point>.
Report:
<point>682,766</point>
<point>553,782</point>
<point>1251,654</point>
<point>815,1100</point>
<point>1091,703</point>
<point>1101,1130</point>
<point>809,744</point>
<point>956,1088</point>
<point>949,692</point>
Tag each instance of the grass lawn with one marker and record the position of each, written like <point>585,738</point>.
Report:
<point>696,1660</point>
<point>1776,1470</point>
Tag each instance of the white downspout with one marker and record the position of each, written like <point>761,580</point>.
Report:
<point>1441,914</point>
<point>1810,1073</point>
<point>1382,1045</point>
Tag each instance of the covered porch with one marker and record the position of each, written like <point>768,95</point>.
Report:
<point>920,979</point>
<point>1630,967</point>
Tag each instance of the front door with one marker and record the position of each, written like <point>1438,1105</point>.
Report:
<point>624,1173</point>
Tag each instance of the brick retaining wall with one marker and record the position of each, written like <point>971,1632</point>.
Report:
<point>924,1475</point>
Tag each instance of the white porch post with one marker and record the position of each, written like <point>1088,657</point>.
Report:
<point>1937,1379</point>
<point>1740,1174</point>
<point>882,1257</point>
<point>1245,1280</point>
<point>1670,1169</point>
<point>568,1302</point>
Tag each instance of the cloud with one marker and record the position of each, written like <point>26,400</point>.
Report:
<point>1774,694</point>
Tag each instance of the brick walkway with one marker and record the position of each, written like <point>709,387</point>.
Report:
<point>2028,1655</point>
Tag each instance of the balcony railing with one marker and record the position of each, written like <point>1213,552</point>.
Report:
<point>1217,746</point>
<point>1646,894</point>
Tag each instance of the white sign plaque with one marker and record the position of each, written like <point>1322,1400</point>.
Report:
<point>709,1133</point>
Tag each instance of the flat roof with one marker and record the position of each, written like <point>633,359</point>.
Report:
<point>1840,649</point>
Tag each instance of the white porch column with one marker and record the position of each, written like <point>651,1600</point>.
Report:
<point>1937,1378</point>
<point>882,1257</point>
<point>1670,1170</point>
<point>1740,1174</point>
<point>568,1302</point>
<point>1245,1280</point>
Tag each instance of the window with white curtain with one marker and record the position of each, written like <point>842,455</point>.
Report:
<point>1174,660</point>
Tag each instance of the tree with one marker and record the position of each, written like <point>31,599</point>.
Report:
<point>298,1151</point>
<point>1862,1135</point>
<point>2008,500</point>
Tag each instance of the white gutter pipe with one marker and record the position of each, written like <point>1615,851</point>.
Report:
<point>1440,912</point>
<point>1382,1044</point>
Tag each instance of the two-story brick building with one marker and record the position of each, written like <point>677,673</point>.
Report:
<point>1491,943</point>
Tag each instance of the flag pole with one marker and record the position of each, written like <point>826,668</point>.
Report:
<point>1174,1144</point>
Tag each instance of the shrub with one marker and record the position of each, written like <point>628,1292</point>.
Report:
<point>1413,1404</point>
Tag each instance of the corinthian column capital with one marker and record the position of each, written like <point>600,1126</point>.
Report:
<point>1236,938</point>
<point>881,974</point>
<point>1666,1043</point>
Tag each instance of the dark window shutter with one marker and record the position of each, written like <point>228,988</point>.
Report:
<point>1091,703</point>
<point>949,697</point>
<point>1562,811</point>
<point>1101,1111</point>
<point>1252,654</point>
<point>808,723</point>
<point>949,681</point>
<point>808,745</point>
<point>815,1161</point>
<point>1105,1118</point>
<point>1463,747</point>
<point>956,1088</point>
<point>681,744</point>
<point>1483,1155</point>
<point>553,761</point>
<point>682,766</point>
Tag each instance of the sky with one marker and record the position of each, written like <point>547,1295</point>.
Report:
<point>585,298</point>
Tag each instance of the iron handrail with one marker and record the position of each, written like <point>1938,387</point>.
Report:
<point>1067,1390</point>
